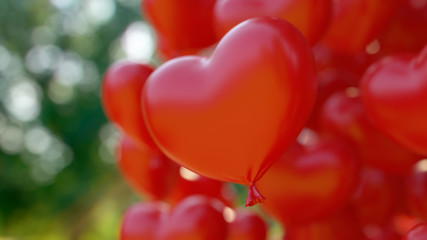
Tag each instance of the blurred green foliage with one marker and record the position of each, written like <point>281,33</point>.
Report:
<point>58,179</point>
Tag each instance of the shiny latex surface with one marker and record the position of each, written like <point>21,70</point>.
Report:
<point>230,116</point>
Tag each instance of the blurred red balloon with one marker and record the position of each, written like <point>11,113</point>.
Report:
<point>394,95</point>
<point>342,225</point>
<point>355,23</point>
<point>147,171</point>
<point>406,31</point>
<point>195,218</point>
<point>404,222</point>
<point>310,182</point>
<point>344,115</point>
<point>182,27</point>
<point>377,199</point>
<point>121,99</point>
<point>416,190</point>
<point>141,221</point>
<point>419,232</point>
<point>311,17</point>
<point>374,232</point>
<point>247,226</point>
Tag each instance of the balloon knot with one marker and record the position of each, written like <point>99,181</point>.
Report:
<point>254,196</point>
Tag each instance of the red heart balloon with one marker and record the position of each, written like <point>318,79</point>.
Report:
<point>182,27</point>
<point>406,31</point>
<point>195,218</point>
<point>310,182</point>
<point>121,93</point>
<point>311,17</point>
<point>141,221</point>
<point>344,115</point>
<point>247,226</point>
<point>394,93</point>
<point>355,23</point>
<point>230,116</point>
<point>147,171</point>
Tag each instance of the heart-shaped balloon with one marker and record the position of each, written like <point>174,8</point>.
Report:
<point>344,115</point>
<point>310,182</point>
<point>141,221</point>
<point>182,27</point>
<point>121,94</point>
<point>247,225</point>
<point>406,30</point>
<point>194,218</point>
<point>230,116</point>
<point>147,171</point>
<point>311,17</point>
<point>355,23</point>
<point>394,93</point>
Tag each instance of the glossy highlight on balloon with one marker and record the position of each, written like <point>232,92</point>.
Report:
<point>230,116</point>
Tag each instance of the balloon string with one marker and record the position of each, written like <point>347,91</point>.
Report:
<point>254,196</point>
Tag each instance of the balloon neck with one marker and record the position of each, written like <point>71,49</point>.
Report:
<point>254,196</point>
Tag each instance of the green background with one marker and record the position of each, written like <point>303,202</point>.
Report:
<point>58,178</point>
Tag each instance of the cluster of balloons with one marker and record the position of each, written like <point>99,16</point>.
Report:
<point>318,106</point>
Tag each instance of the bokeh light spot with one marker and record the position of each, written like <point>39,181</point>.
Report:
<point>5,58</point>
<point>421,165</point>
<point>42,58</point>
<point>99,11</point>
<point>188,175</point>
<point>22,100</point>
<point>60,93</point>
<point>37,140</point>
<point>11,140</point>
<point>138,42</point>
